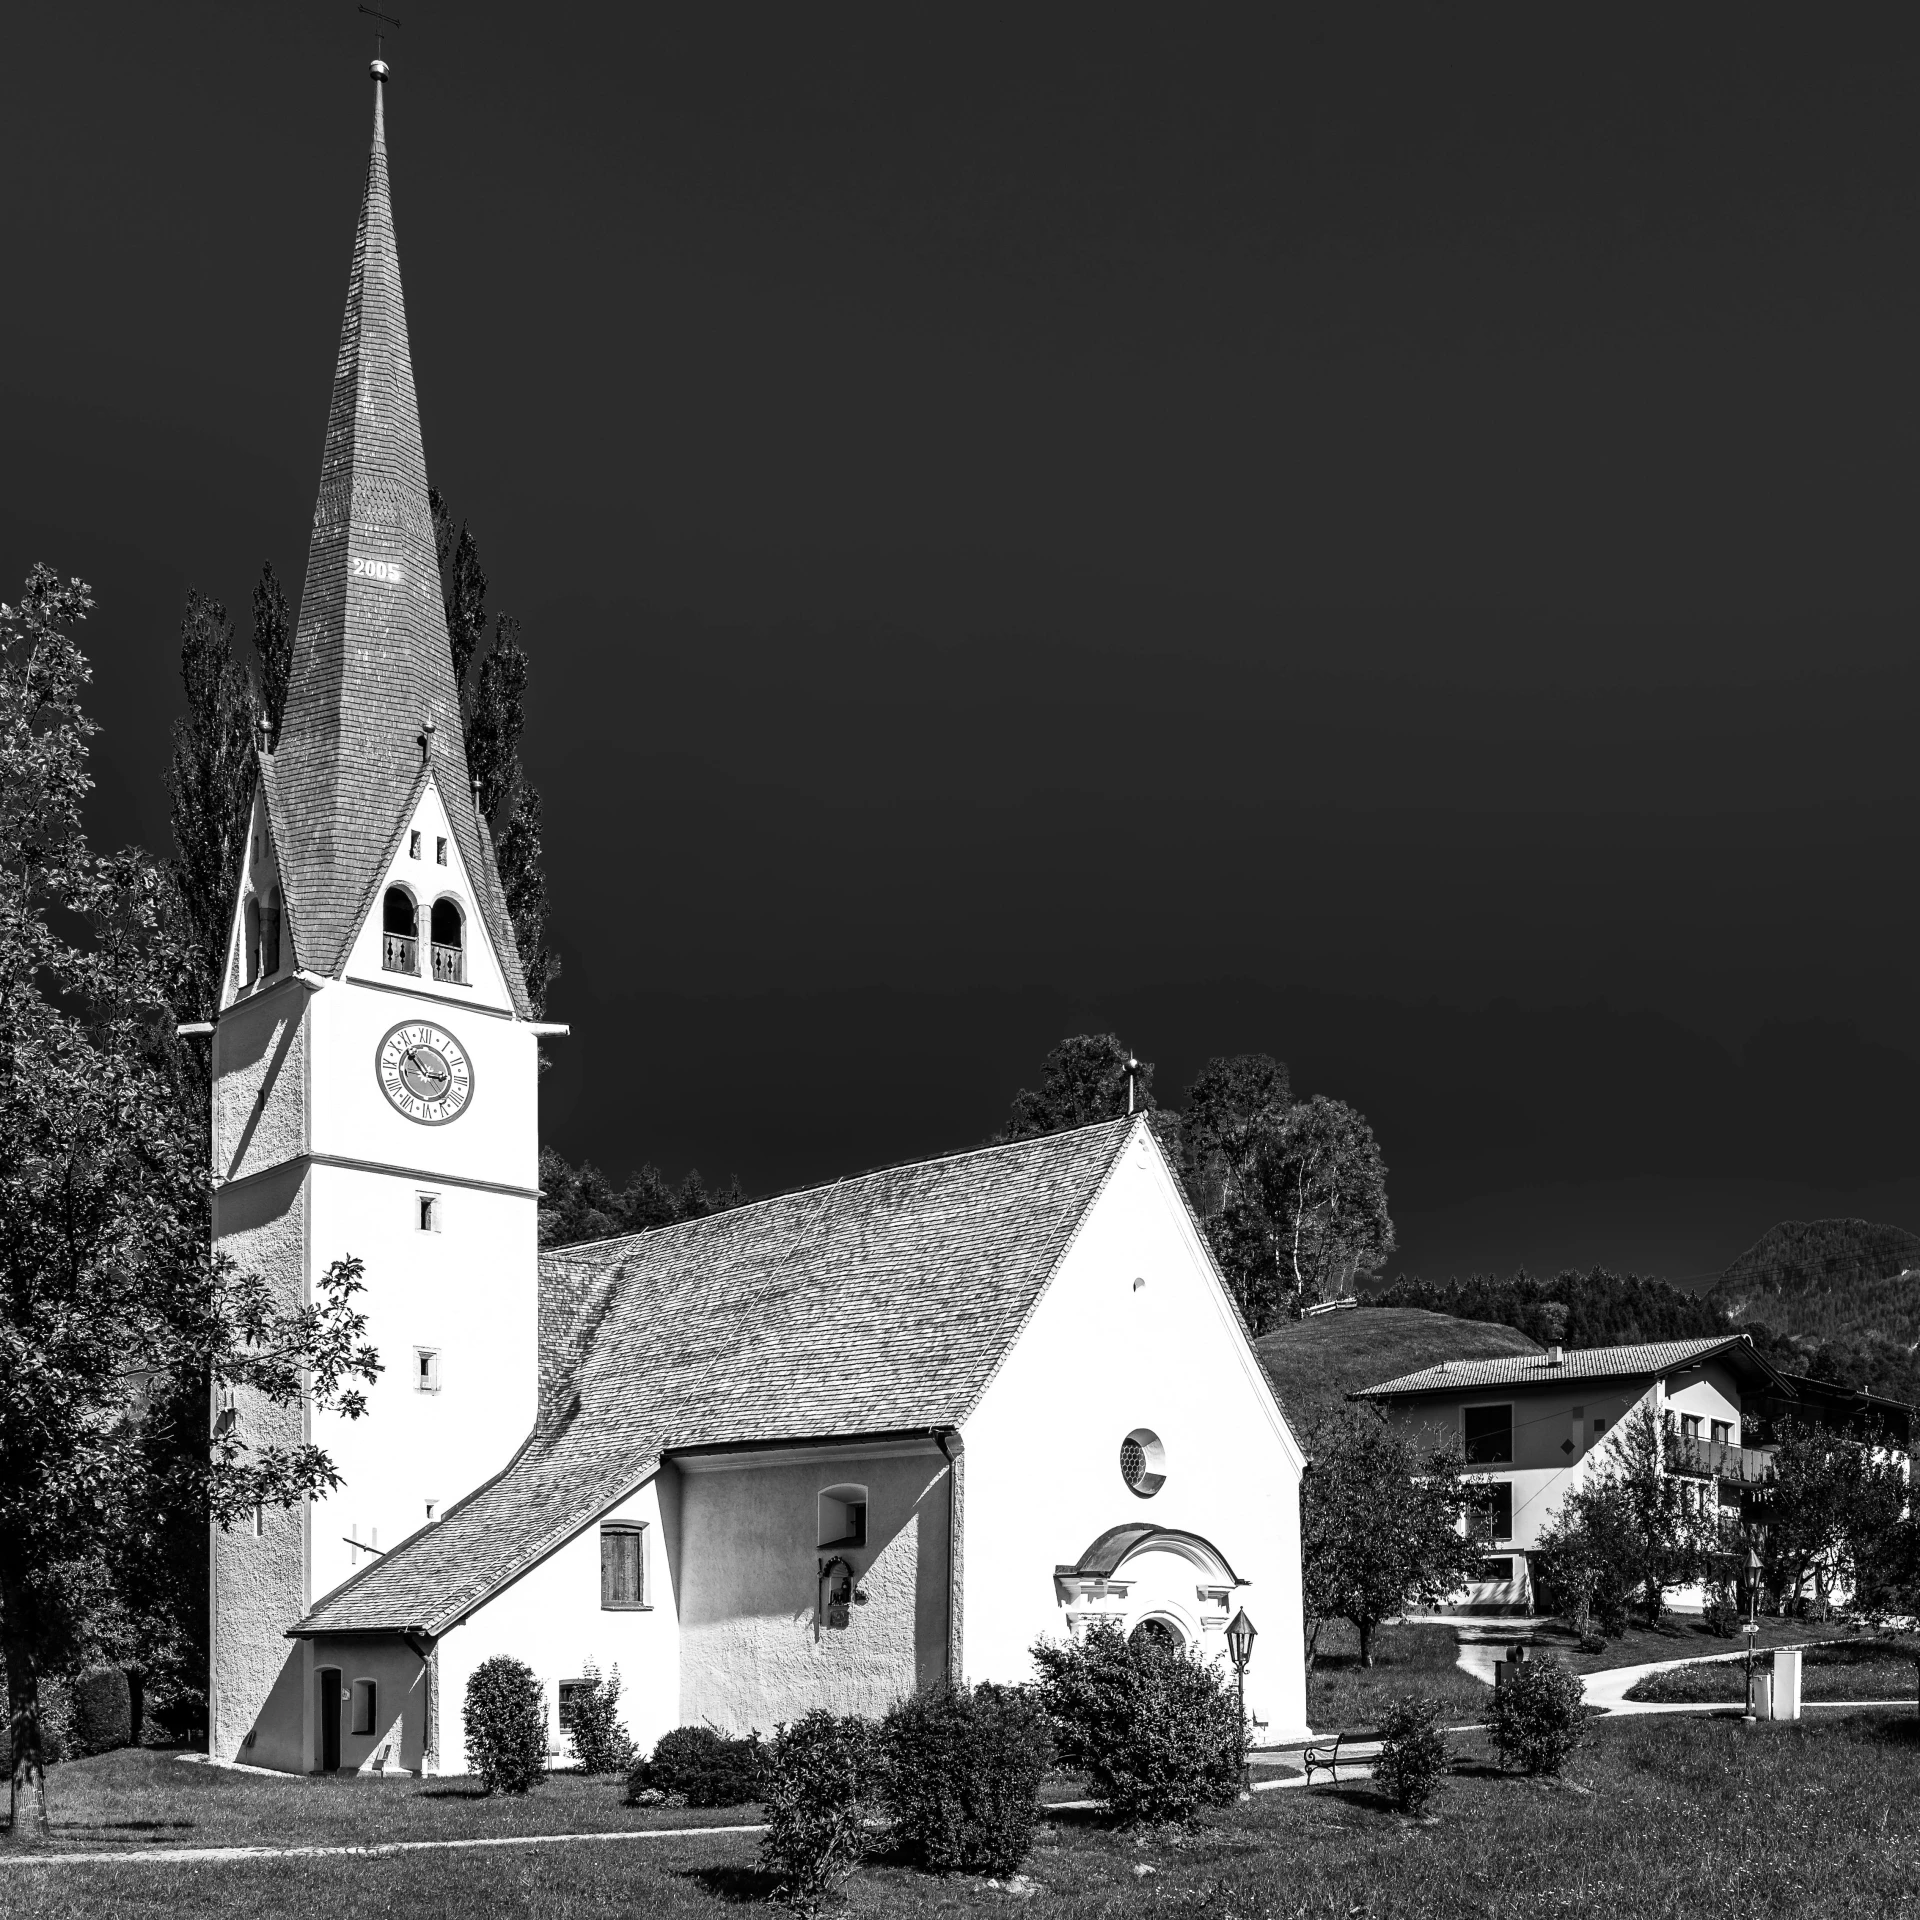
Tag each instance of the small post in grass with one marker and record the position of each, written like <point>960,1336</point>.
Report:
<point>1752,1627</point>
<point>1240,1638</point>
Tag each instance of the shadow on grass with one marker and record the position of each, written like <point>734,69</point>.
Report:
<point>459,1793</point>
<point>66,1828</point>
<point>1893,1733</point>
<point>738,1886</point>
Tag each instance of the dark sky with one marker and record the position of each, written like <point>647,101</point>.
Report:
<point>1384,537</point>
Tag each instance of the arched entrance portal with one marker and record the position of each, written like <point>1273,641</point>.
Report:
<point>1156,1583</point>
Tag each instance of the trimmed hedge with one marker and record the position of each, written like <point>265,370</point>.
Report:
<point>820,1788</point>
<point>1156,1732</point>
<point>1413,1753</point>
<point>506,1714</point>
<point>102,1711</point>
<point>960,1773</point>
<point>702,1767</point>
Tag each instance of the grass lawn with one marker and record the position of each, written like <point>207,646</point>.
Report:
<point>142,1798</point>
<point>1315,1364</point>
<point>1342,1695</point>
<point>1858,1670</point>
<point>1683,1817</point>
<point>1678,1637</point>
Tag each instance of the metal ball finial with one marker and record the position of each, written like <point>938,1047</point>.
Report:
<point>378,68</point>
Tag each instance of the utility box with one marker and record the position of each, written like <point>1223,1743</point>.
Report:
<point>1760,1700</point>
<point>1786,1684</point>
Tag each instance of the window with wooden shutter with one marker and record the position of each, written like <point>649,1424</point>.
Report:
<point>623,1565</point>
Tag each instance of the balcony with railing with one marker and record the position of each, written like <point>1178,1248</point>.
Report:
<point>399,953</point>
<point>449,963</point>
<point>1717,1459</point>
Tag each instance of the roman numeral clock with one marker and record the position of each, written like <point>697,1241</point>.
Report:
<point>425,1073</point>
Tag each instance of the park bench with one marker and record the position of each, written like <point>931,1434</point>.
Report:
<point>1326,1755</point>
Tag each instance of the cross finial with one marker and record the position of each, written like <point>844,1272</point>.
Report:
<point>381,22</point>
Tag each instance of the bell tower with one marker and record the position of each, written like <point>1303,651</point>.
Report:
<point>374,1058</point>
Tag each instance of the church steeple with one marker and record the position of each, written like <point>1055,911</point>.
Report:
<point>371,702</point>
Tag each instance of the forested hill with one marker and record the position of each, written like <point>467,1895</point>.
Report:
<point>1592,1309</point>
<point>1843,1291</point>
<point>1814,1276</point>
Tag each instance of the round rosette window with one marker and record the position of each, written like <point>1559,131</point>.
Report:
<point>1143,1462</point>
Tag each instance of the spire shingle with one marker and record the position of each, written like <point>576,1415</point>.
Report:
<point>371,661</point>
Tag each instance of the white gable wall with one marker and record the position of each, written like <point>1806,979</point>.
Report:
<point>1102,1356</point>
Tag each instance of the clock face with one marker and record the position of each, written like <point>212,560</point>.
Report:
<point>425,1072</point>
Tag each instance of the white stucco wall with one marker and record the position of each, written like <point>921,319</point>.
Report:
<point>754,1650</point>
<point>1103,1355</point>
<point>552,1619</point>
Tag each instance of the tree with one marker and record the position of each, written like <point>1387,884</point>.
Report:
<point>273,643</point>
<point>493,689</point>
<point>1235,1115</point>
<point>1085,1080</point>
<point>1631,1526</point>
<point>582,1204</point>
<point>1324,1189</point>
<point>210,783</point>
<point>1829,1515</point>
<point>1383,1526</point>
<point>111,1302</point>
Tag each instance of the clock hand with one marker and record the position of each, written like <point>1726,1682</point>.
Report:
<point>428,1064</point>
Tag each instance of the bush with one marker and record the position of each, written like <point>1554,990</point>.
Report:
<point>960,1771</point>
<point>704,1768</point>
<point>590,1717</point>
<point>1721,1614</point>
<point>506,1712</point>
<point>102,1711</point>
<point>1538,1717</point>
<point>1413,1753</point>
<point>819,1789</point>
<point>1157,1733</point>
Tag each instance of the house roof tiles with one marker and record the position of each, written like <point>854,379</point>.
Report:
<point>1576,1363</point>
<point>878,1305</point>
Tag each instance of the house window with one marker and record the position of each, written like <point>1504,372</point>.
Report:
<point>426,1369</point>
<point>433,1509</point>
<point>1490,1508</point>
<point>1143,1462</point>
<point>1488,1433</point>
<point>572,1692</point>
<point>440,849</point>
<point>363,1706</point>
<point>623,1565</point>
<point>413,844</point>
<point>843,1517</point>
<point>429,1212</point>
<point>250,941</point>
<point>259,1521</point>
<point>1690,1426</point>
<point>1498,1570</point>
<point>449,941</point>
<point>400,932</point>
<point>1722,1431</point>
<point>1599,1425</point>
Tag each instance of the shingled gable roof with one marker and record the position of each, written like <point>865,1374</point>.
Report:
<point>879,1305</point>
<point>1647,1361</point>
<point>371,660</point>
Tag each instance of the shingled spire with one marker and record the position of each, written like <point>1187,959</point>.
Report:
<point>372,698</point>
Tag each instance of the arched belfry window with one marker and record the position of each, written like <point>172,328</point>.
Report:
<point>250,941</point>
<point>400,932</point>
<point>270,933</point>
<point>449,941</point>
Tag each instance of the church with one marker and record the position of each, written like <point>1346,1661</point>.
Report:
<point>815,1451</point>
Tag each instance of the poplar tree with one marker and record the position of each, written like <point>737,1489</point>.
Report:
<point>210,783</point>
<point>111,1302</point>
<point>493,692</point>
